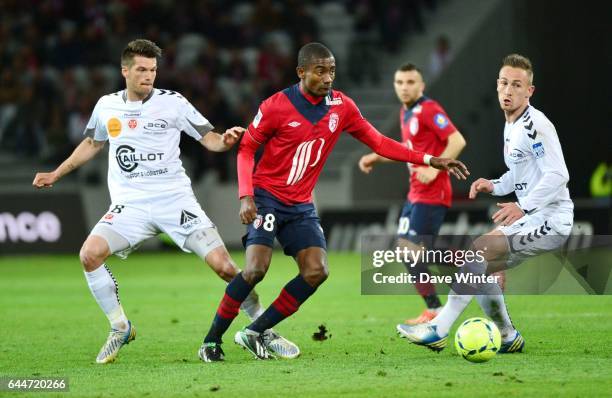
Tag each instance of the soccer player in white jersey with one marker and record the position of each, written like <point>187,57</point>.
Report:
<point>150,192</point>
<point>540,221</point>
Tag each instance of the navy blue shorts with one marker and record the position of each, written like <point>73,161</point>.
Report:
<point>296,227</point>
<point>419,221</point>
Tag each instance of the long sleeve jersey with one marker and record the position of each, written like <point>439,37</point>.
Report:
<point>536,168</point>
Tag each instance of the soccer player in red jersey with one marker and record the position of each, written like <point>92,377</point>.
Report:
<point>427,128</point>
<point>298,128</point>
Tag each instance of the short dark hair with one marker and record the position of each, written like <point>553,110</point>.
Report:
<point>312,51</point>
<point>521,62</point>
<point>144,48</point>
<point>408,67</point>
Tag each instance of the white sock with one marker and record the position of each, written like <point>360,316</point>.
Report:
<point>450,312</point>
<point>103,286</point>
<point>251,306</point>
<point>495,308</point>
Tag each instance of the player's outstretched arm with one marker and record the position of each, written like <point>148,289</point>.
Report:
<point>216,142</point>
<point>391,149</point>
<point>83,153</point>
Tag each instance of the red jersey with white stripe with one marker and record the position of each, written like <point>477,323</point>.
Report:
<point>426,127</point>
<point>298,132</point>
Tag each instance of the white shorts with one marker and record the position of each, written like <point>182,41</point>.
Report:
<point>176,214</point>
<point>537,233</point>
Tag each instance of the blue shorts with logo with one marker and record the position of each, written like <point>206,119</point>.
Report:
<point>296,227</point>
<point>419,221</point>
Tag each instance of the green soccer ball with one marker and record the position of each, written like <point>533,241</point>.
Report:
<point>477,340</point>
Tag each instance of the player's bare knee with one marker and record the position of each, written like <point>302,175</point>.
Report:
<point>253,274</point>
<point>315,274</point>
<point>491,246</point>
<point>258,260</point>
<point>221,262</point>
<point>313,265</point>
<point>92,255</point>
<point>89,260</point>
<point>227,270</point>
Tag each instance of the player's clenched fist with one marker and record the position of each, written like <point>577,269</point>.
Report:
<point>248,210</point>
<point>366,163</point>
<point>231,136</point>
<point>44,180</point>
<point>480,185</point>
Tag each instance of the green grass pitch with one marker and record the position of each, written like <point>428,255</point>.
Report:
<point>52,327</point>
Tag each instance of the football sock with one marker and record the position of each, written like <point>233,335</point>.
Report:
<point>495,308</point>
<point>432,301</point>
<point>450,312</point>
<point>105,290</point>
<point>251,306</point>
<point>427,290</point>
<point>291,297</point>
<point>235,293</point>
<point>458,300</point>
<point>492,302</point>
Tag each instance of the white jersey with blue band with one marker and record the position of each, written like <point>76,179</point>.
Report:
<point>144,139</point>
<point>537,173</point>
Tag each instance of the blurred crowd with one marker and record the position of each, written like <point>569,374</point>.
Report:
<point>57,57</point>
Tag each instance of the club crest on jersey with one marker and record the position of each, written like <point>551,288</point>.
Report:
<point>413,126</point>
<point>257,221</point>
<point>107,219</point>
<point>440,120</point>
<point>333,122</point>
<point>538,150</point>
<point>257,118</point>
<point>132,124</point>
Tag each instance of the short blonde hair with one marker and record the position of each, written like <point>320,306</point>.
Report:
<point>521,62</point>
